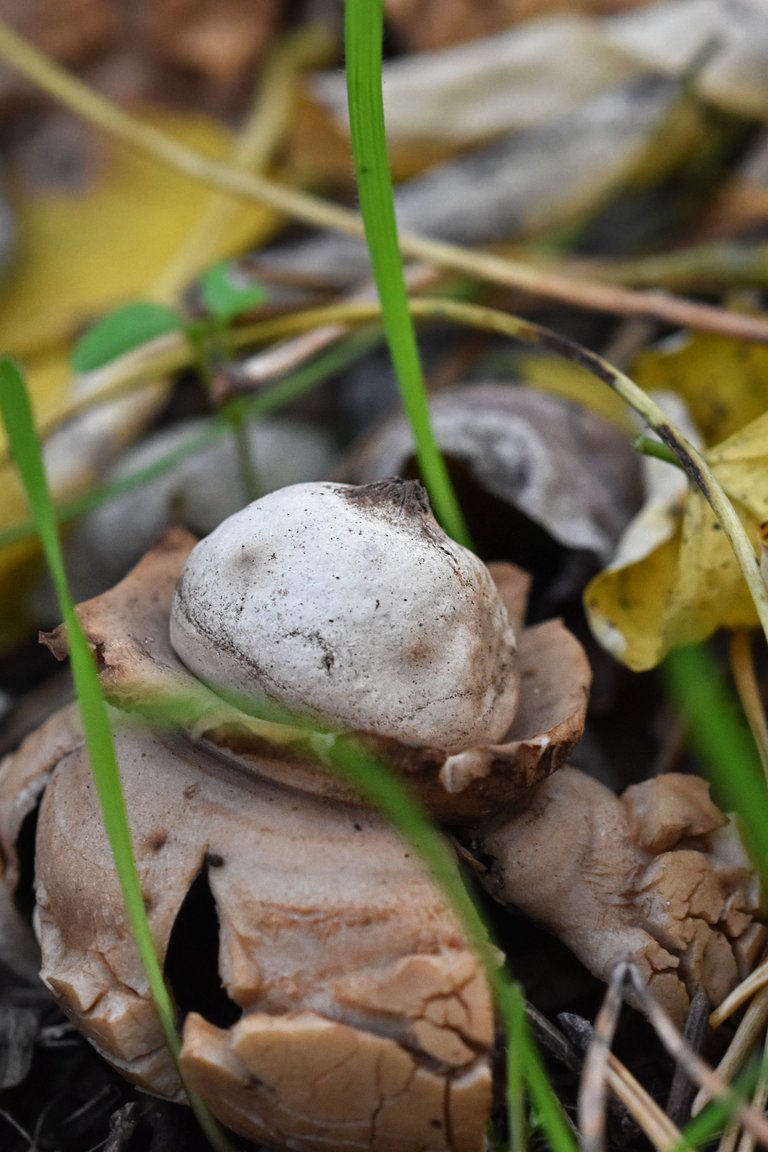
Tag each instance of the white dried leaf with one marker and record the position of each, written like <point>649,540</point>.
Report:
<point>465,94</point>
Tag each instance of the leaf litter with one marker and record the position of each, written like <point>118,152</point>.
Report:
<point>669,576</point>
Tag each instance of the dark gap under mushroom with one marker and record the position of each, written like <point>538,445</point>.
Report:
<point>24,895</point>
<point>192,959</point>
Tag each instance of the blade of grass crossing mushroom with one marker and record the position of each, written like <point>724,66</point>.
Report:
<point>363,32</point>
<point>17,416</point>
<point>376,784</point>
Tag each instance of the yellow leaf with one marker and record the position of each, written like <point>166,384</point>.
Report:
<point>723,382</point>
<point>83,251</point>
<point>678,585</point>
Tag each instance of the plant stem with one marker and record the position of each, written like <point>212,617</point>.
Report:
<point>654,448</point>
<point>744,677</point>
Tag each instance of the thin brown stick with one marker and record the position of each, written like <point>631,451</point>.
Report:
<point>577,292</point>
<point>697,1069</point>
<point>759,1100</point>
<point>654,1122</point>
<point>682,1090</point>
<point>730,1137</point>
<point>742,1043</point>
<point>754,983</point>
<point>594,1080</point>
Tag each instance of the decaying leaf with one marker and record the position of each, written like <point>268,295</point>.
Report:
<point>424,25</point>
<point>546,176</point>
<point>724,383</point>
<point>675,579</point>
<point>73,33</point>
<point>83,249</point>
<point>510,81</point>
<point>220,43</point>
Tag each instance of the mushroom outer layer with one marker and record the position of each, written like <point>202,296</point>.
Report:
<point>361,1018</point>
<point>656,876</point>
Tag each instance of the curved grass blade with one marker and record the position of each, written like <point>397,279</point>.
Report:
<point>378,786</point>
<point>17,416</point>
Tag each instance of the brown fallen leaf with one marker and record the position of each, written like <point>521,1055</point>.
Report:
<point>74,32</point>
<point>85,249</point>
<point>423,25</point>
<point>724,383</point>
<point>523,458</point>
<point>217,41</point>
<point>542,68</point>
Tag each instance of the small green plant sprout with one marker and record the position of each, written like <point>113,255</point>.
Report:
<point>123,331</point>
<point>225,296</point>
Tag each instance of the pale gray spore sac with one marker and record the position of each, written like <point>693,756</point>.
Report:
<point>351,606</point>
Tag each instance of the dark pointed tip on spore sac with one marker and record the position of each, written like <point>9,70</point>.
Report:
<point>394,495</point>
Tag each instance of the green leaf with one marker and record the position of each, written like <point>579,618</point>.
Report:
<point>123,330</point>
<point>224,296</point>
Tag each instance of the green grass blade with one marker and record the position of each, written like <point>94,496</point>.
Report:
<point>17,416</point>
<point>724,744</point>
<point>363,41</point>
<point>376,784</point>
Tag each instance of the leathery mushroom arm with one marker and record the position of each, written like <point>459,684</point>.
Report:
<point>657,876</point>
<point>351,1012</point>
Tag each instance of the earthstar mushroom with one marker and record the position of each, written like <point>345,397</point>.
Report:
<point>352,1008</point>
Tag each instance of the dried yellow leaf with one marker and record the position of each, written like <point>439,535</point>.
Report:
<point>83,251</point>
<point>723,382</point>
<point>675,578</point>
